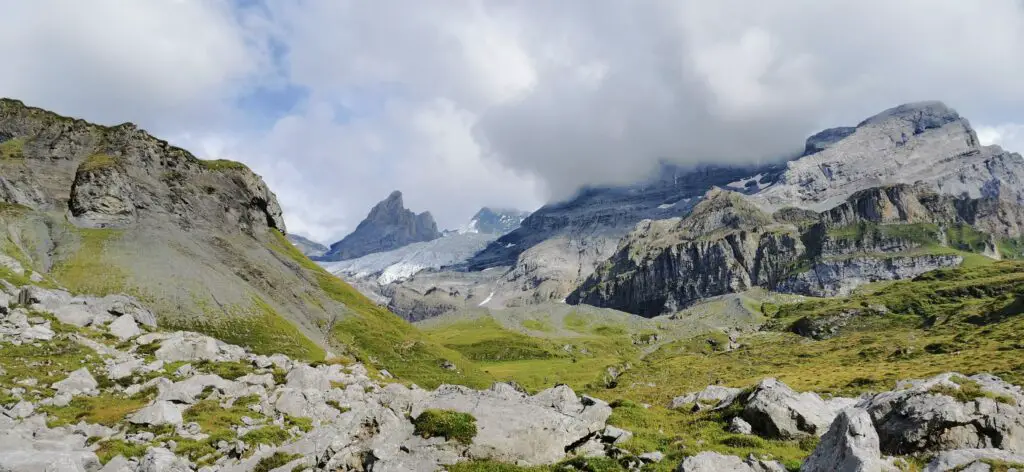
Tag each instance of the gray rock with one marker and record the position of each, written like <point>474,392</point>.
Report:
<point>915,418</point>
<point>188,346</point>
<point>774,410</point>
<point>75,315</point>
<point>964,459</point>
<point>303,377</point>
<point>124,328</point>
<point>188,390</point>
<point>850,445</point>
<point>513,427</point>
<point>156,414</point>
<point>80,381</point>
<point>158,459</point>
<point>615,435</point>
<point>739,426</point>
<point>651,457</point>
<point>119,464</point>
<point>22,409</point>
<point>124,369</point>
<point>835,278</point>
<point>714,396</point>
<point>48,461</point>
<point>715,462</point>
<point>37,333</point>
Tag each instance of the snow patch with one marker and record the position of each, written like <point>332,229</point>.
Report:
<point>489,297</point>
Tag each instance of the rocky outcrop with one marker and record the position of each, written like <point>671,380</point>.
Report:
<point>715,462</point>
<point>389,225</point>
<point>495,221</point>
<point>833,278</point>
<point>102,195</point>
<point>726,245</point>
<point>949,411</point>
<point>775,410</point>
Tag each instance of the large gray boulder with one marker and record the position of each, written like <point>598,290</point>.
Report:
<point>188,390</point>
<point>715,462</point>
<point>158,413</point>
<point>774,410</point>
<point>850,445</point>
<point>304,377</point>
<point>80,381</point>
<point>124,328</point>
<point>158,459</point>
<point>189,346</point>
<point>517,428</point>
<point>921,416</point>
<point>713,396</point>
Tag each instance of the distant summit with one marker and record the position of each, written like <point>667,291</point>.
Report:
<point>389,225</point>
<point>498,221</point>
<point>308,247</point>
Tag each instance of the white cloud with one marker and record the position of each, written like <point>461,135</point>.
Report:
<point>1009,136</point>
<point>471,102</point>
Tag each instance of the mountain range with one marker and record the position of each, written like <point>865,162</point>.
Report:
<point>856,307</point>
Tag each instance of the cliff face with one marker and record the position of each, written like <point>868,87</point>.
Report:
<point>728,245</point>
<point>389,225</point>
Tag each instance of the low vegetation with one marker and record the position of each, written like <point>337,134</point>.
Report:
<point>222,164</point>
<point>83,269</point>
<point>451,425</point>
<point>97,162</point>
<point>12,149</point>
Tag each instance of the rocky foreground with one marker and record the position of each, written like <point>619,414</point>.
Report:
<point>92,384</point>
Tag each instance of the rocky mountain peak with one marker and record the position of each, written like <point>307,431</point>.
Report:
<point>496,221</point>
<point>723,210</point>
<point>389,225</point>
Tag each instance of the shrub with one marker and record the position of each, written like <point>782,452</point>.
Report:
<point>451,425</point>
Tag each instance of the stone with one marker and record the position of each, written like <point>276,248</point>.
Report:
<point>303,377</point>
<point>188,390</point>
<point>124,328</point>
<point>964,459</point>
<point>615,435</point>
<point>22,409</point>
<point>118,464</point>
<point>740,426</point>
<point>191,347</point>
<point>715,462</point>
<point>38,333</point>
<point>651,457</point>
<point>80,381</point>
<point>158,459</point>
<point>714,396</point>
<point>156,414</point>
<point>514,427</point>
<point>124,369</point>
<point>850,445</point>
<point>75,315</point>
<point>776,411</point>
<point>917,417</point>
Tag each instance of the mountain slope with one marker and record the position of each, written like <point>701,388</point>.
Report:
<point>389,225</point>
<point>103,210</point>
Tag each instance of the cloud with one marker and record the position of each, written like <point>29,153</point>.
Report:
<point>1009,136</point>
<point>471,102</point>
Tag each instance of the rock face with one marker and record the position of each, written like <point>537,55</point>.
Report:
<point>921,416</point>
<point>496,221</point>
<point>726,245</point>
<point>927,142</point>
<point>839,277</point>
<point>389,225</point>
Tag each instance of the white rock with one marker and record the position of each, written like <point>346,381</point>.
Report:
<point>158,413</point>
<point>850,445</point>
<point>22,409</point>
<point>80,381</point>
<point>158,459</point>
<point>124,328</point>
<point>715,462</point>
<point>304,377</point>
<point>118,464</point>
<point>961,459</point>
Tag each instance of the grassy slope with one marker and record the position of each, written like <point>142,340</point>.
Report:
<point>380,338</point>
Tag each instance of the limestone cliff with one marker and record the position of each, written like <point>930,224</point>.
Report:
<point>389,225</point>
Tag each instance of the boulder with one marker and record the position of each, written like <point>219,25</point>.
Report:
<point>80,381</point>
<point>850,445</point>
<point>715,462</point>
<point>713,396</point>
<point>514,427</point>
<point>304,377</point>
<point>158,413</point>
<point>48,461</point>
<point>740,426</point>
<point>188,346</point>
<point>124,328</point>
<point>188,390</point>
<point>118,464</point>
<point>971,460</point>
<point>921,416</point>
<point>774,410</point>
<point>158,459</point>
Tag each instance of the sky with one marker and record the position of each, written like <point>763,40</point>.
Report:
<point>510,103</point>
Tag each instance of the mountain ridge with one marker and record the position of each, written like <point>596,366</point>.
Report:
<point>389,225</point>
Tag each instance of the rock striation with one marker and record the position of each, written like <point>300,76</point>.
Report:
<point>389,225</point>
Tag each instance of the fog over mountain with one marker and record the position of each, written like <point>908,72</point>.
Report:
<point>504,104</point>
